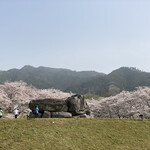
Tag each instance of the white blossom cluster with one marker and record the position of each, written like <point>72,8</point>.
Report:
<point>20,94</point>
<point>124,105</point>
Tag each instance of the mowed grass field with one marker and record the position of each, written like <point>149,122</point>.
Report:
<point>74,134</point>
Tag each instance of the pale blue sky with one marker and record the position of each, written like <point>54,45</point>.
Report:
<point>100,35</point>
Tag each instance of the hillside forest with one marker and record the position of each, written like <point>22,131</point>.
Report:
<point>83,82</point>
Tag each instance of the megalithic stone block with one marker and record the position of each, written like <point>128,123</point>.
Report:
<point>52,105</point>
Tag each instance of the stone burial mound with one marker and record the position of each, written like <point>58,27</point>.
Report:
<point>74,106</point>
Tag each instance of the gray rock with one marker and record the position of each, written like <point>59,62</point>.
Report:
<point>49,105</point>
<point>46,114</point>
<point>77,105</point>
<point>61,115</point>
<point>61,108</point>
<point>82,116</point>
<point>32,115</point>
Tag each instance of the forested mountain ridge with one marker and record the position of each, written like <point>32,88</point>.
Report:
<point>124,78</point>
<point>128,78</point>
<point>83,82</point>
<point>45,77</point>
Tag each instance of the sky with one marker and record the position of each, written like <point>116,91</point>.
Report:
<point>99,35</point>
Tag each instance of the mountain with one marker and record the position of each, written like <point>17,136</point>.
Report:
<point>96,86</point>
<point>124,78</point>
<point>129,78</point>
<point>45,77</point>
<point>83,82</point>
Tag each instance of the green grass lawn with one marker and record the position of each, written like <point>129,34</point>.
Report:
<point>74,134</point>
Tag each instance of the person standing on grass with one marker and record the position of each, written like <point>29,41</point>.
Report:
<point>16,112</point>
<point>1,113</point>
<point>36,110</point>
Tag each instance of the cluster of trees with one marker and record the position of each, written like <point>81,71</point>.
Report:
<point>20,94</point>
<point>45,77</point>
<point>118,80</point>
<point>84,82</point>
<point>124,105</point>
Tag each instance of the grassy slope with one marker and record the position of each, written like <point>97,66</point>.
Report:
<point>74,134</point>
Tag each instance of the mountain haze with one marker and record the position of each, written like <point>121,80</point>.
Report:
<point>45,77</point>
<point>83,82</point>
<point>124,78</point>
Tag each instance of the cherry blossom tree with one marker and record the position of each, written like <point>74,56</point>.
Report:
<point>19,94</point>
<point>124,105</point>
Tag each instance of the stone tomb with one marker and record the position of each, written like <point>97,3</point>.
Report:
<point>74,106</point>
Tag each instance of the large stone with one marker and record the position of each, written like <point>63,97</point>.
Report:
<point>77,105</point>
<point>61,108</point>
<point>46,114</point>
<point>82,116</point>
<point>53,105</point>
<point>32,115</point>
<point>61,115</point>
